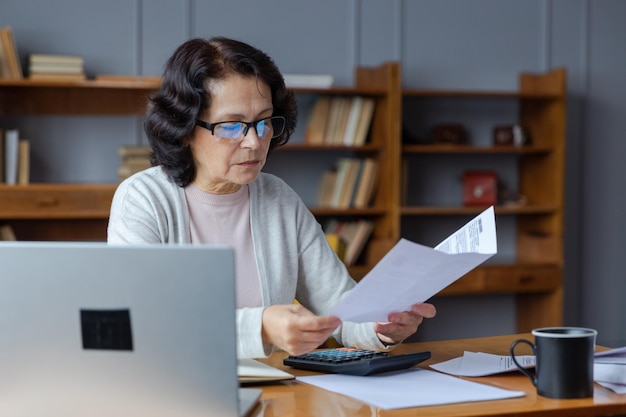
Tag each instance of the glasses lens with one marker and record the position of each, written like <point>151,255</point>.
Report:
<point>264,128</point>
<point>278,125</point>
<point>229,130</point>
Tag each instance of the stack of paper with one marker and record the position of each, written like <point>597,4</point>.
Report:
<point>609,369</point>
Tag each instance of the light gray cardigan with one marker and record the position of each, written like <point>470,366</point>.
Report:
<point>293,257</point>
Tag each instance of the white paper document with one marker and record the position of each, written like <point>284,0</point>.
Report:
<point>617,355</point>
<point>411,273</point>
<point>482,364</point>
<point>408,388</point>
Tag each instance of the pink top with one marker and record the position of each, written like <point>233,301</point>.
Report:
<point>225,219</point>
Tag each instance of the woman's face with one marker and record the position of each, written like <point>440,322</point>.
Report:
<point>223,167</point>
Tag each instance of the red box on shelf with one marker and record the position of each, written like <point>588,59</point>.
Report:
<point>480,188</point>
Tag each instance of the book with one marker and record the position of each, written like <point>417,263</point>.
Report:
<point>11,152</point>
<point>326,187</point>
<point>56,59</point>
<point>132,160</point>
<point>343,112</point>
<point>354,234</point>
<point>253,371</point>
<point>5,71</point>
<point>366,186</point>
<point>349,183</point>
<point>359,233</point>
<point>317,121</point>
<point>7,233</point>
<point>337,243</point>
<point>2,156</point>
<point>128,151</point>
<point>352,121</point>
<point>343,166</point>
<point>57,77</point>
<point>14,67</point>
<point>54,69</point>
<point>23,161</point>
<point>334,113</point>
<point>365,120</point>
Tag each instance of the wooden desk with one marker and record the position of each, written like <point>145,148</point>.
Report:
<point>296,399</point>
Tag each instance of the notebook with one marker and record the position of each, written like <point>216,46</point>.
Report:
<point>94,330</point>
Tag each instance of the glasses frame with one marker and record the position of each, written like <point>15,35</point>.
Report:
<point>211,127</point>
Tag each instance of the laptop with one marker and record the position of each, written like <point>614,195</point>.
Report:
<point>90,329</point>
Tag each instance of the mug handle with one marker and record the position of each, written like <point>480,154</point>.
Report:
<point>523,370</point>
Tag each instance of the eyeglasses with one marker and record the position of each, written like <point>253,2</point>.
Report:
<point>267,128</point>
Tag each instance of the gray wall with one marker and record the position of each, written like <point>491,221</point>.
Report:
<point>473,44</point>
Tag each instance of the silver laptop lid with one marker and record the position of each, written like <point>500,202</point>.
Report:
<point>93,330</point>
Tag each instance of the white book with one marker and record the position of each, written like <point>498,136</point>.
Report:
<point>11,151</point>
<point>343,166</point>
<point>352,122</point>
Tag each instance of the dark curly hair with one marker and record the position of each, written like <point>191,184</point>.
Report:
<point>185,94</point>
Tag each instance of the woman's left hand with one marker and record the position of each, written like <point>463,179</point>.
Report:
<point>404,324</point>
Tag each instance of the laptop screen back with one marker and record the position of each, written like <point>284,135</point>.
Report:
<point>93,330</point>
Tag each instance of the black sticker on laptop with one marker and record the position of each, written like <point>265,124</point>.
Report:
<point>106,329</point>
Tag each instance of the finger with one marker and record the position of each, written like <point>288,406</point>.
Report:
<point>426,310</point>
<point>319,324</point>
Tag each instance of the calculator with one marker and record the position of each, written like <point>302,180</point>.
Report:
<point>352,361</point>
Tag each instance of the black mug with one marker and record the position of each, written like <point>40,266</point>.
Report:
<point>564,361</point>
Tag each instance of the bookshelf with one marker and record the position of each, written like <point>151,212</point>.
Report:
<point>530,254</point>
<point>46,211</point>
<point>382,84</point>
<point>531,263</point>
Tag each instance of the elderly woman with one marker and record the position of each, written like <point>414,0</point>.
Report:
<point>222,107</point>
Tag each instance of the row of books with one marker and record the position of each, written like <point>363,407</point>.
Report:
<point>339,120</point>
<point>132,159</point>
<point>10,66</point>
<point>351,183</point>
<point>56,67</point>
<point>348,237</point>
<point>14,157</point>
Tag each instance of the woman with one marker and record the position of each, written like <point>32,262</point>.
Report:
<point>222,107</point>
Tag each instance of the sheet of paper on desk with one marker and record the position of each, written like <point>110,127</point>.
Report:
<point>411,273</point>
<point>482,364</point>
<point>408,388</point>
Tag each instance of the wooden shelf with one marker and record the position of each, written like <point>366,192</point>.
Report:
<point>363,90</point>
<point>514,278</point>
<point>302,147</point>
<point>473,94</point>
<point>80,211</point>
<point>468,149</point>
<point>116,98</point>
<point>56,201</point>
<point>474,210</point>
<point>536,275</point>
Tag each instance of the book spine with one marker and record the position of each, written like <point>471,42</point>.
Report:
<point>11,151</point>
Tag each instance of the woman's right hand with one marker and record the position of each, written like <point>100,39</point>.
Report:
<point>295,329</point>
